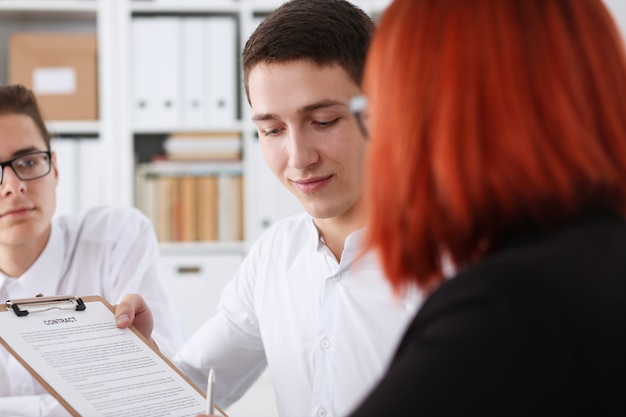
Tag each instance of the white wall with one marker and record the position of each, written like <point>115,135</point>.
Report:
<point>618,9</point>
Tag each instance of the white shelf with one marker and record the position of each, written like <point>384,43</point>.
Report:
<point>79,6</point>
<point>202,248</point>
<point>206,127</point>
<point>179,7</point>
<point>60,127</point>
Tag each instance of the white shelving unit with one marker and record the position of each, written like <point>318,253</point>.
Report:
<point>197,271</point>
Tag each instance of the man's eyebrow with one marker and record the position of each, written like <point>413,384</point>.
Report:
<point>321,105</point>
<point>25,151</point>
<point>263,116</point>
<point>303,110</point>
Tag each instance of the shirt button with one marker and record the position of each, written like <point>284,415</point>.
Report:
<point>325,344</point>
<point>321,412</point>
<point>336,277</point>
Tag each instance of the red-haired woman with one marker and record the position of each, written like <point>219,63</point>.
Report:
<point>498,132</point>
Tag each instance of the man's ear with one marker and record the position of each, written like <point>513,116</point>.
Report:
<point>55,170</point>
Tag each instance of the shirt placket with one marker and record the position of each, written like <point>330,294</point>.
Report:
<point>322,404</point>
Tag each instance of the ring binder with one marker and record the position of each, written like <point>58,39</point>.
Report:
<point>45,304</point>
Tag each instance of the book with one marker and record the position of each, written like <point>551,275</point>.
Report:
<point>230,211</point>
<point>193,168</point>
<point>207,209</point>
<point>203,146</point>
<point>188,209</point>
<point>165,208</point>
<point>146,196</point>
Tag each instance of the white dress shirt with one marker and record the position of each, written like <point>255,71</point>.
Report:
<point>103,251</point>
<point>326,329</point>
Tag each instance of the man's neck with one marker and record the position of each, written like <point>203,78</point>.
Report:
<point>336,230</point>
<point>16,259</point>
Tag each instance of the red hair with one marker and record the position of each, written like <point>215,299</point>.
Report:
<point>490,118</point>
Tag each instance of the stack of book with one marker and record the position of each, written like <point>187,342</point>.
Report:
<point>194,193</point>
<point>193,206</point>
<point>210,146</point>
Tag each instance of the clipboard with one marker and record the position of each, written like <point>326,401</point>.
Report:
<point>72,347</point>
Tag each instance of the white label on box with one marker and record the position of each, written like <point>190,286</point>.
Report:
<point>59,80</point>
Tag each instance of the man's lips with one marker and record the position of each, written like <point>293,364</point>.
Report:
<point>311,185</point>
<point>16,211</point>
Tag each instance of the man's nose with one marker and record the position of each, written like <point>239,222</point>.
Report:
<point>302,151</point>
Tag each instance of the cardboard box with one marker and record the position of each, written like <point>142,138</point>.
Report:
<point>61,69</point>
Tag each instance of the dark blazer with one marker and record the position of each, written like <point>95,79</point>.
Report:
<point>536,329</point>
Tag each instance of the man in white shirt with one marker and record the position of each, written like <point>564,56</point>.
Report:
<point>304,302</point>
<point>103,251</point>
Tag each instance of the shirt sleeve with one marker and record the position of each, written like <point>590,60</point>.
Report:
<point>136,268</point>
<point>32,406</point>
<point>32,401</point>
<point>229,342</point>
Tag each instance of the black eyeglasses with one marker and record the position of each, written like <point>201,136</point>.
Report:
<point>29,166</point>
<point>358,107</point>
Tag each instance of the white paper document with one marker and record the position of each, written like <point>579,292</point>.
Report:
<point>96,368</point>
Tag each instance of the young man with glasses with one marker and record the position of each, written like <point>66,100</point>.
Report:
<point>304,302</point>
<point>103,251</point>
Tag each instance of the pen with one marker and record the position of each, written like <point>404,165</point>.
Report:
<point>209,392</point>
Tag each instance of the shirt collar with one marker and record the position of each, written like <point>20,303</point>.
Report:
<point>351,246</point>
<point>353,240</point>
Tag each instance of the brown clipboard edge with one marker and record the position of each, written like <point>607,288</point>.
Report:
<point>90,299</point>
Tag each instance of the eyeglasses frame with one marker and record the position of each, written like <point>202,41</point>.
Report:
<point>358,106</point>
<point>9,163</point>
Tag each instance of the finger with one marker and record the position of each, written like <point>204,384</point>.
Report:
<point>134,310</point>
<point>126,310</point>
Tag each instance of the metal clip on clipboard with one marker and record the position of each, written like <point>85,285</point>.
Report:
<point>61,302</point>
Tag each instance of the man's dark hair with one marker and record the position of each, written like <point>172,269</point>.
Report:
<point>17,99</point>
<point>324,32</point>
